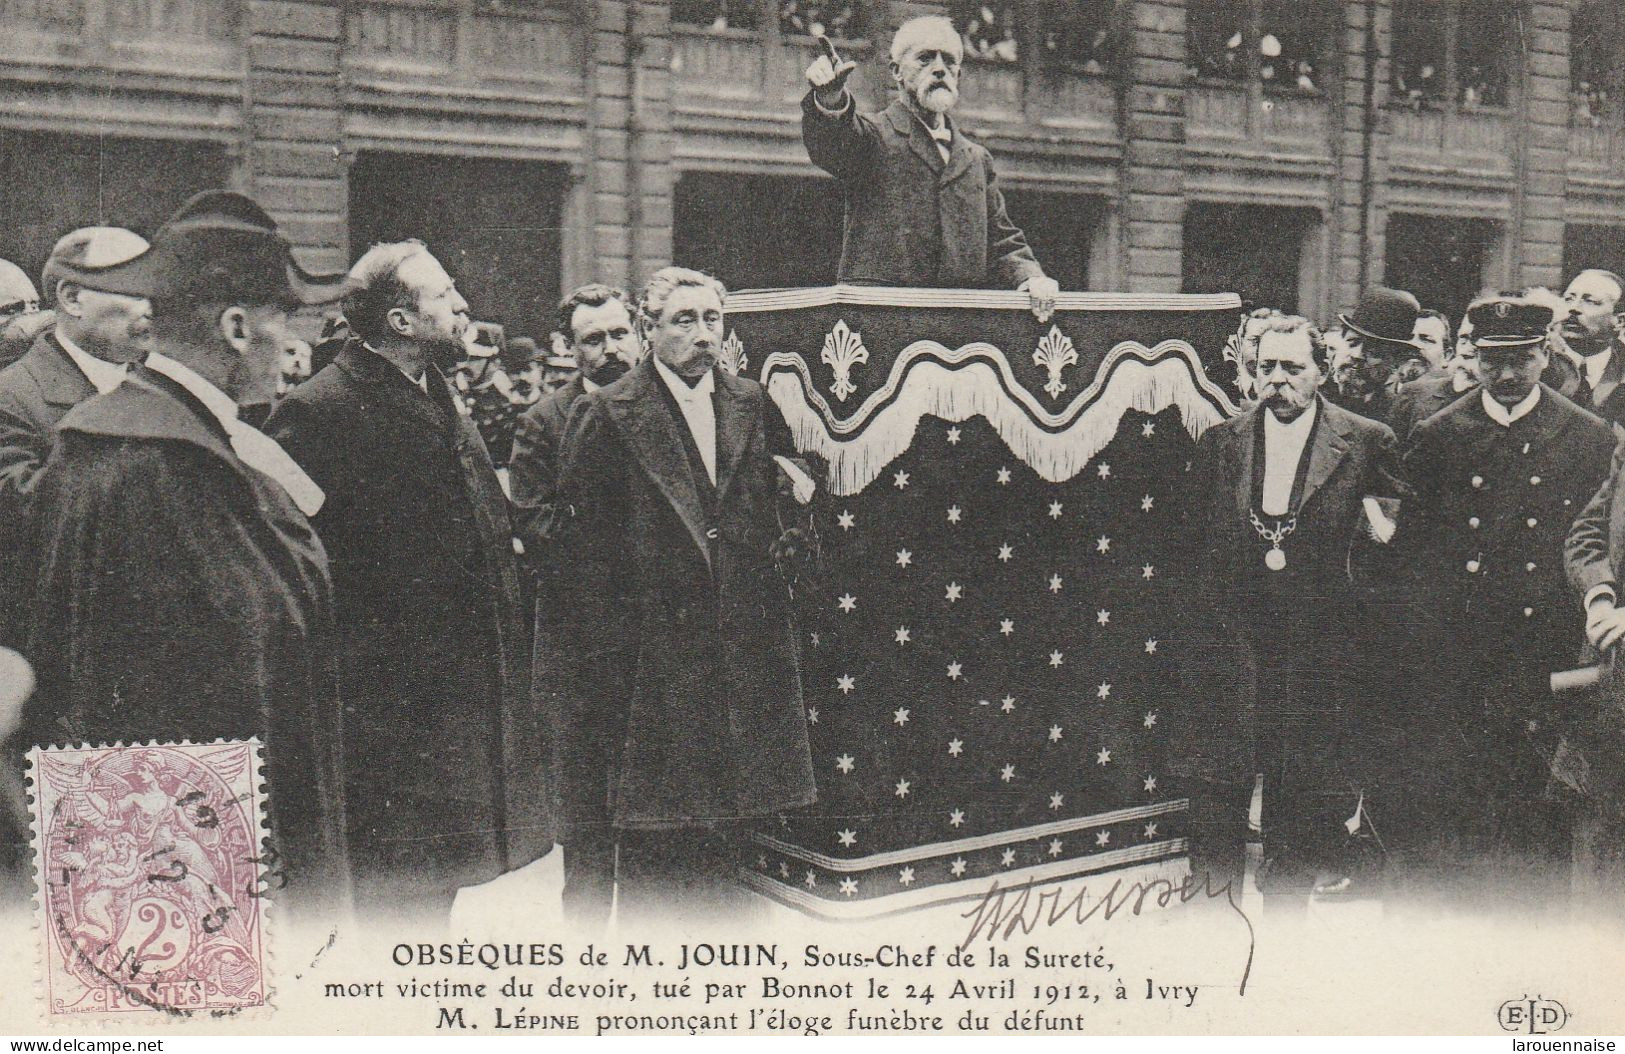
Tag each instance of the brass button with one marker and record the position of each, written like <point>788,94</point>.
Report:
<point>1527,612</point>
<point>1529,566</point>
<point>1534,481</point>
<point>1472,521</point>
<point>1478,481</point>
<point>1472,567</point>
<point>1532,521</point>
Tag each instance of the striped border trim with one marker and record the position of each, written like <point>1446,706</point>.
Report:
<point>965,845</point>
<point>967,889</point>
<point>1010,300</point>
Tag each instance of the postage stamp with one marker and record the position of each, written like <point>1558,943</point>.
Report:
<point>150,874</point>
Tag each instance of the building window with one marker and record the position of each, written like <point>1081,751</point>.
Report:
<point>718,15</point>
<point>716,227</point>
<point>1082,35</point>
<point>1292,44</point>
<point>1462,51</point>
<point>1214,31</point>
<point>837,19</point>
<point>1280,43</point>
<point>1597,60</point>
<point>988,28</point>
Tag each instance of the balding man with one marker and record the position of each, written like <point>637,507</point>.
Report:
<point>1591,326</point>
<point>21,319</point>
<point>923,206</point>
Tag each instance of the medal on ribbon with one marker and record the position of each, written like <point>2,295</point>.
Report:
<point>1275,558</point>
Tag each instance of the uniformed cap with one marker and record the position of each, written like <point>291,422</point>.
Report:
<point>561,362</point>
<point>17,292</point>
<point>1509,322</point>
<point>95,257</point>
<point>222,245</point>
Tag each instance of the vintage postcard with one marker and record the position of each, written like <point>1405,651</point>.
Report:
<point>812,517</point>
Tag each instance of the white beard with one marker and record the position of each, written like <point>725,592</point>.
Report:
<point>937,101</point>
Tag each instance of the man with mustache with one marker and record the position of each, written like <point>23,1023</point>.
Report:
<point>446,769</point>
<point>599,330</point>
<point>103,325</point>
<point>1273,525</point>
<point>1590,325</point>
<point>923,206</point>
<point>683,721</point>
<point>1499,476</point>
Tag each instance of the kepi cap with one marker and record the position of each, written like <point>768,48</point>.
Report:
<point>1508,322</point>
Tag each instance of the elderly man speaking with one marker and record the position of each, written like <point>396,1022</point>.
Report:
<point>923,206</point>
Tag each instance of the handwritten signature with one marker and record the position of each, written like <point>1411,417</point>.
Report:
<point>1004,911</point>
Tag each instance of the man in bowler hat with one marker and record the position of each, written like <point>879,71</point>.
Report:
<point>1380,333</point>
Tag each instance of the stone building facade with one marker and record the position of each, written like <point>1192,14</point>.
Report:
<point>1291,150</point>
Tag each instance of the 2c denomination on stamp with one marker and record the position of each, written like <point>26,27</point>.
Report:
<point>150,873</point>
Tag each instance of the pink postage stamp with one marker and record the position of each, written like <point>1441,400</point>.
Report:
<point>150,873</point>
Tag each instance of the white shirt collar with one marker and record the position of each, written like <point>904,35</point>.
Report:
<point>1596,364</point>
<point>221,405</point>
<point>104,376</point>
<point>588,385</point>
<point>254,448</point>
<point>1505,417</point>
<point>679,387</point>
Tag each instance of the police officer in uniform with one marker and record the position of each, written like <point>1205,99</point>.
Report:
<point>1499,475</point>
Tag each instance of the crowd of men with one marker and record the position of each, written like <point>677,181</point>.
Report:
<point>343,581</point>
<point>1409,529</point>
<point>1400,541</point>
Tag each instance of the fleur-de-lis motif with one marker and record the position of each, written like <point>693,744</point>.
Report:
<point>1055,353</point>
<point>734,359</point>
<point>843,349</point>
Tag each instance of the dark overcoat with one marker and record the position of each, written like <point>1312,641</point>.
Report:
<point>533,469</point>
<point>1594,556</point>
<point>686,705</point>
<point>1280,652</point>
<point>910,219</point>
<point>1607,399</point>
<point>35,392</point>
<point>446,765</point>
<point>183,595</point>
<point>1419,400</point>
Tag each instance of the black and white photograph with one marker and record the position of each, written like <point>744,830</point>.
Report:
<point>812,517</point>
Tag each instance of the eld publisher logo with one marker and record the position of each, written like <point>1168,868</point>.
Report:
<point>1534,1017</point>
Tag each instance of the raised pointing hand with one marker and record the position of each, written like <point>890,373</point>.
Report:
<point>828,74</point>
